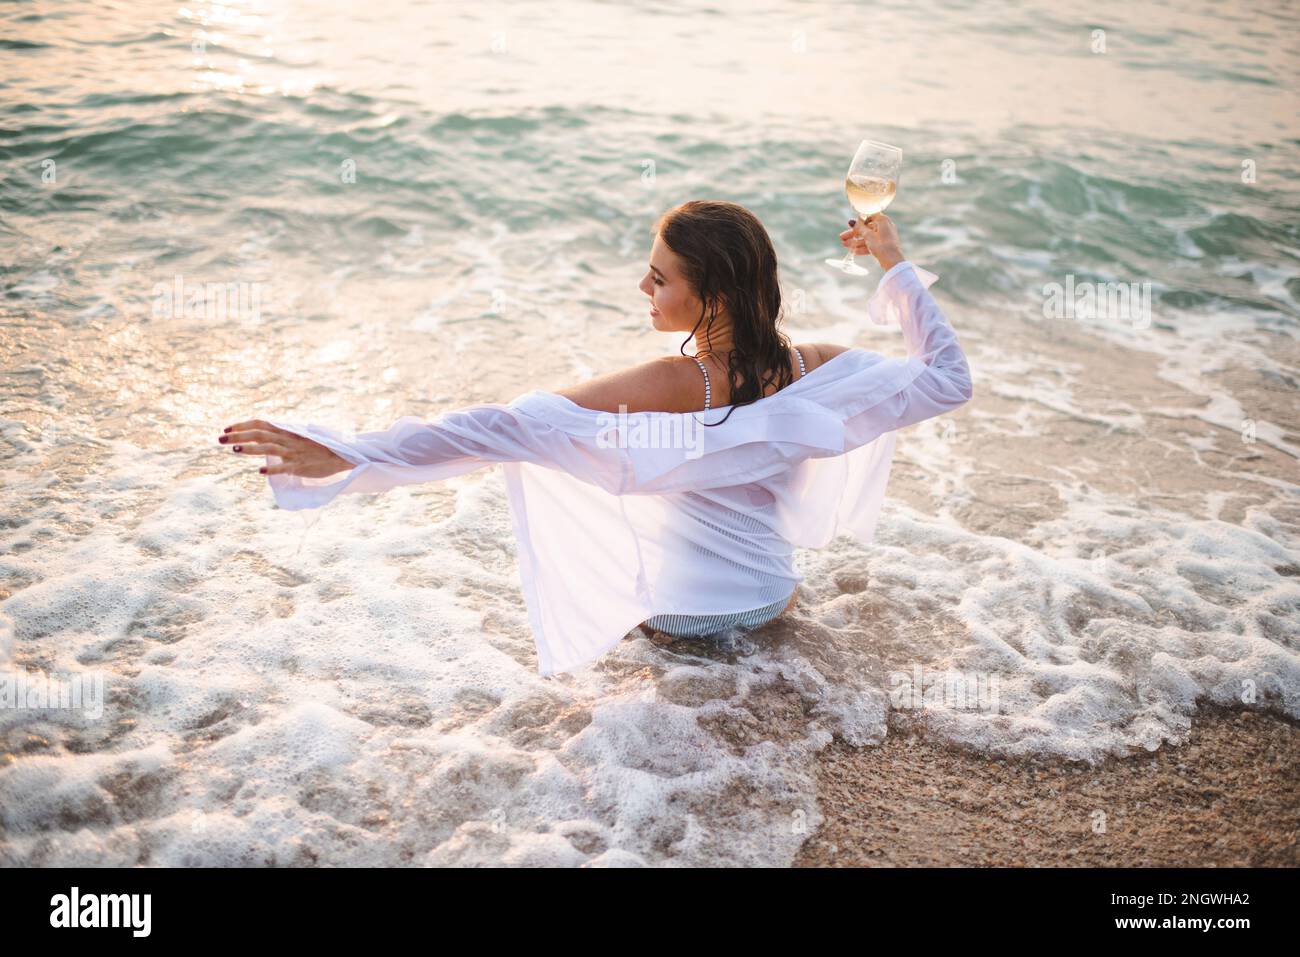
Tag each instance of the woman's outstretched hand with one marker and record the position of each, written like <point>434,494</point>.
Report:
<point>299,456</point>
<point>877,236</point>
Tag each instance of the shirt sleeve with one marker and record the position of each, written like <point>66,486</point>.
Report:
<point>413,450</point>
<point>943,380</point>
<point>831,414</point>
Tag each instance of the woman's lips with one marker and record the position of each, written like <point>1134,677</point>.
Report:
<point>654,311</point>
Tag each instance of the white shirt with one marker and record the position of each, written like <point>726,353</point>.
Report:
<point>619,518</point>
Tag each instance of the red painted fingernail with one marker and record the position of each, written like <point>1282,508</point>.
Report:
<point>238,447</point>
<point>227,429</point>
<point>851,222</point>
<point>223,439</point>
<point>262,470</point>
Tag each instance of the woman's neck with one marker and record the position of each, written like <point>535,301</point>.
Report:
<point>718,340</point>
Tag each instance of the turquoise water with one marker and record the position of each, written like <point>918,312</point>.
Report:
<point>438,204</point>
<point>495,149</point>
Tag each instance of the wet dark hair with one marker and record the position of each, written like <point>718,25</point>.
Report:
<point>728,259</point>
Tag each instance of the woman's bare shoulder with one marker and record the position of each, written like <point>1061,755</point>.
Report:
<point>666,384</point>
<point>817,353</point>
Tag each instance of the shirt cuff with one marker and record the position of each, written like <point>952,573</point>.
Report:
<point>893,269</point>
<point>884,306</point>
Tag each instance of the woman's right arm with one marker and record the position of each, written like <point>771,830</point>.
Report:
<point>944,382</point>
<point>876,236</point>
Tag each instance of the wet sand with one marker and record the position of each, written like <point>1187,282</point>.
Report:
<point>1229,797</point>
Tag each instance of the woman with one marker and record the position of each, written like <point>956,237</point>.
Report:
<point>694,533</point>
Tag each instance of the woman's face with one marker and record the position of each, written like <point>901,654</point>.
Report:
<point>673,305</point>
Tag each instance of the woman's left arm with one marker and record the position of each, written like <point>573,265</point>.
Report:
<point>298,455</point>
<point>667,384</point>
<point>303,461</point>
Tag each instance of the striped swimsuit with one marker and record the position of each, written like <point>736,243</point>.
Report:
<point>695,626</point>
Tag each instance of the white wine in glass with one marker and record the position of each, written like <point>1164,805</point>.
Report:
<point>871,184</point>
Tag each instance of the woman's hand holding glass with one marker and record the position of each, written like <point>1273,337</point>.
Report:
<point>875,236</point>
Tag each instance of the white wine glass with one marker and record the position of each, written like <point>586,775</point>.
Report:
<point>871,184</point>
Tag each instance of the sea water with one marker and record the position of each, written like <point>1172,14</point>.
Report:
<point>344,213</point>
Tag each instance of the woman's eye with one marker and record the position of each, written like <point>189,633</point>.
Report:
<point>659,282</point>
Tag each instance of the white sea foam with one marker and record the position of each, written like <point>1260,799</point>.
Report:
<point>359,686</point>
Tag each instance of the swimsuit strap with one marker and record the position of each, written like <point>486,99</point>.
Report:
<point>708,391</point>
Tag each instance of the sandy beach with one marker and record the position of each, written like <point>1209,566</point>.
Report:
<point>1227,798</point>
<point>299,213</point>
